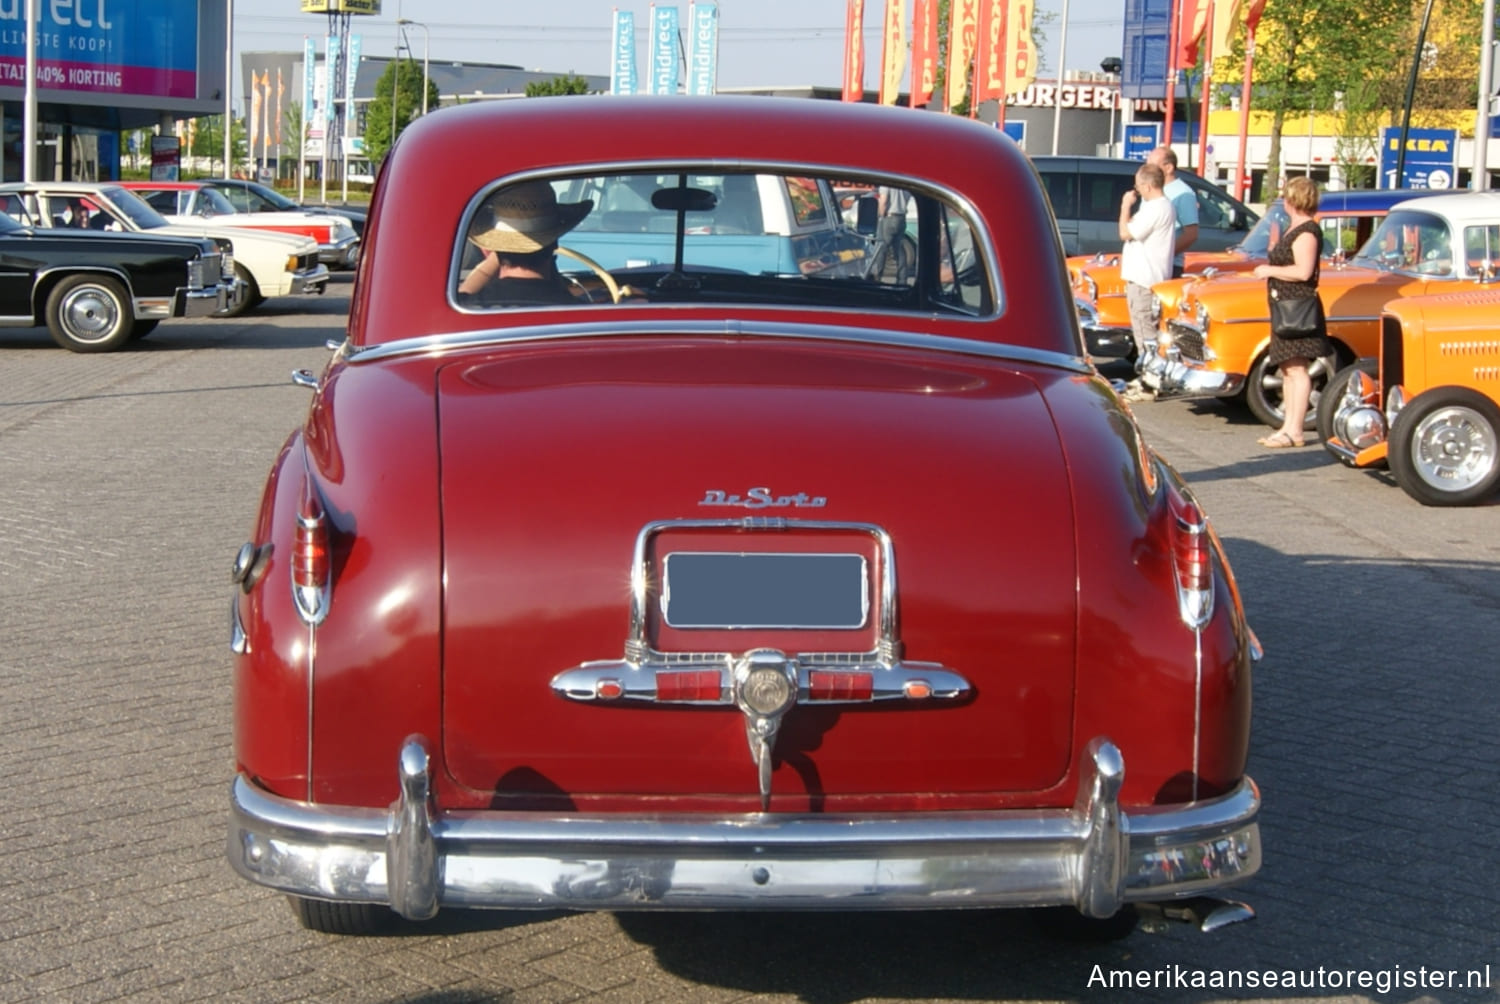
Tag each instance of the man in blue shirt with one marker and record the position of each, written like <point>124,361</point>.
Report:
<point>1184,202</point>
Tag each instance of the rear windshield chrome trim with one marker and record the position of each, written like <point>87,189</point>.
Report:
<point>463,340</point>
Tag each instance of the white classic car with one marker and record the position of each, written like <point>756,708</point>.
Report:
<point>194,202</point>
<point>267,264</point>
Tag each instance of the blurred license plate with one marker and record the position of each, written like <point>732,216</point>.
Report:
<point>709,589</point>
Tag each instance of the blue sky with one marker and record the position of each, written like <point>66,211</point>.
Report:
<point>761,42</point>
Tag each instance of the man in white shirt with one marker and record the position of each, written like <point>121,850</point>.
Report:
<point>1146,259</point>
<point>1184,201</point>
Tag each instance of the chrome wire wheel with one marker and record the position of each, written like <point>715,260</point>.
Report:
<point>1453,449</point>
<point>1445,447</point>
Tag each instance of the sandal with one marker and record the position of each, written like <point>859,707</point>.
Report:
<point>1280,441</point>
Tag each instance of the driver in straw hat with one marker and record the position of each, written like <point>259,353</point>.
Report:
<point>520,245</point>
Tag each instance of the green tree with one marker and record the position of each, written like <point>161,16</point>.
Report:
<point>1311,54</point>
<point>405,77</point>
<point>568,84</point>
<point>208,139</point>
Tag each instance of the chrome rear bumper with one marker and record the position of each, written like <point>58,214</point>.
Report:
<point>1094,856</point>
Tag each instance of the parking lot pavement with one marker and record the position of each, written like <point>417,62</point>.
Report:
<point>127,481</point>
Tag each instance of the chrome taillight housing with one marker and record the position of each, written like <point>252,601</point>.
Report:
<point>1192,558</point>
<point>311,562</point>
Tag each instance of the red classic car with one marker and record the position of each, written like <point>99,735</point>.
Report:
<point>582,588</point>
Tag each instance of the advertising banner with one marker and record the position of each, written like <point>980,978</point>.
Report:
<point>1020,50</point>
<point>854,51</point>
<point>893,52</point>
<point>330,77</point>
<point>663,50</point>
<point>1141,138</point>
<point>350,75</point>
<point>963,32</point>
<point>924,51</point>
<point>622,65</point>
<point>137,49</point>
<point>1431,158</point>
<point>309,102</point>
<point>703,58</point>
<point>166,158</point>
<point>989,63</point>
<point>341,6</point>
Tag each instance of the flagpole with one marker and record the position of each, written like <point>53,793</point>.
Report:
<point>1206,87</point>
<point>1062,56</point>
<point>1241,181</point>
<point>1175,8</point>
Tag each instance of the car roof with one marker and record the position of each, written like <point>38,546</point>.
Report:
<point>446,163</point>
<point>174,185</point>
<point>1462,207</point>
<point>1353,199</point>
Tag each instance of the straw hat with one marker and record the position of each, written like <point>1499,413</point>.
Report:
<point>528,217</point>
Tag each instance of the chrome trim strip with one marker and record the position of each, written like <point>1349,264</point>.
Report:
<point>1093,856</point>
<point>714,328</point>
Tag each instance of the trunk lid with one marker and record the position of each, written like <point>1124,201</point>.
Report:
<point>554,457</point>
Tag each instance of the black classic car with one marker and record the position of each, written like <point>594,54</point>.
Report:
<point>97,291</point>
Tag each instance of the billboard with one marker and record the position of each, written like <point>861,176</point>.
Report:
<point>341,6</point>
<point>1431,159</point>
<point>149,50</point>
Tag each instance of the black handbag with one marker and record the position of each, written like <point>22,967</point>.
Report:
<point>1300,317</point>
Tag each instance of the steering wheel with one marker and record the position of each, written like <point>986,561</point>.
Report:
<point>609,281</point>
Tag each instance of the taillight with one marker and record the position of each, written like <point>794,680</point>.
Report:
<point>693,686</point>
<point>1192,559</point>
<point>310,561</point>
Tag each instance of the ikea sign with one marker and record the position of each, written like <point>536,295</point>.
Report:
<point>1431,159</point>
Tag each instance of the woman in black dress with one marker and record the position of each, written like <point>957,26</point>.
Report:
<point>1291,273</point>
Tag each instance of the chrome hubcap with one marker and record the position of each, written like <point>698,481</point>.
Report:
<point>90,314</point>
<point>1453,449</point>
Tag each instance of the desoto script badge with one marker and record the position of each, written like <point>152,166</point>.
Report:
<point>761,498</point>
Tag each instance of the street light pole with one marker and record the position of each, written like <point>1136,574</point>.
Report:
<point>395,74</point>
<point>426,43</point>
<point>229,87</point>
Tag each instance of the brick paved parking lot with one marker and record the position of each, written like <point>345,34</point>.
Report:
<point>127,482</point>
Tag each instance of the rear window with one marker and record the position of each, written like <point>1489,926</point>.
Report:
<point>686,235</point>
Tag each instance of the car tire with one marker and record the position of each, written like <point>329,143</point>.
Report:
<point>1333,393</point>
<point>252,294</point>
<point>89,313</point>
<point>1066,924</point>
<point>1263,389</point>
<point>1445,447</point>
<point>143,328</point>
<point>340,918</point>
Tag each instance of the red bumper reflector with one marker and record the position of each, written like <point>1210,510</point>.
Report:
<point>823,685</point>
<point>698,685</point>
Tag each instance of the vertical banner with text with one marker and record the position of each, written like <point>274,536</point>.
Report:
<point>989,58</point>
<point>663,49</point>
<point>330,77</point>
<point>924,51</point>
<point>893,50</point>
<point>1020,50</point>
<point>854,51</point>
<point>622,44</point>
<point>703,59</point>
<point>963,32</point>
<point>309,70</point>
<point>351,74</point>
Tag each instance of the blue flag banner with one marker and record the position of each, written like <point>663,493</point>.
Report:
<point>622,67</point>
<point>663,50</point>
<point>352,61</point>
<point>330,77</point>
<point>309,71</point>
<point>703,58</point>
